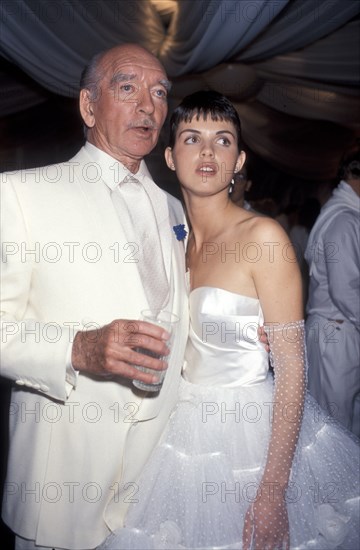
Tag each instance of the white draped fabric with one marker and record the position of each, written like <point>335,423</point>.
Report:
<point>291,67</point>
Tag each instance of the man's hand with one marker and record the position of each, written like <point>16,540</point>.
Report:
<point>110,350</point>
<point>263,338</point>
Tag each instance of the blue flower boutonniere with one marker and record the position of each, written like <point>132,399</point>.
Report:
<point>180,231</point>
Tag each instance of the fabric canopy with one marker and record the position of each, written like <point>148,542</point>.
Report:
<point>291,67</point>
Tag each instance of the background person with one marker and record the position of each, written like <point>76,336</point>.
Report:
<point>333,323</point>
<point>242,184</point>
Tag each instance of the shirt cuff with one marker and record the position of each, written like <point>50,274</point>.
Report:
<point>71,375</point>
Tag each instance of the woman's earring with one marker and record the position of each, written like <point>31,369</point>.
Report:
<point>231,186</point>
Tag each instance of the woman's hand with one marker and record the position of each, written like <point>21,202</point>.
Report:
<point>263,338</point>
<point>266,524</point>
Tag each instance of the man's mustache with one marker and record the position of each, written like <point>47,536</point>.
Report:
<point>144,123</point>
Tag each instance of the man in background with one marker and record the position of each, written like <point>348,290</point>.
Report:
<point>333,323</point>
<point>241,185</point>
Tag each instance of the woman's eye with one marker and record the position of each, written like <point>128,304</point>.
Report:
<point>224,141</point>
<point>191,139</point>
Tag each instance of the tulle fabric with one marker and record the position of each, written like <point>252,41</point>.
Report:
<point>201,479</point>
<point>205,473</point>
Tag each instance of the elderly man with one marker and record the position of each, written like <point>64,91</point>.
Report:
<point>88,244</point>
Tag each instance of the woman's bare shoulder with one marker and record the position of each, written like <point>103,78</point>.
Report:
<point>262,228</point>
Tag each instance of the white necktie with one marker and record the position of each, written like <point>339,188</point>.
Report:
<point>139,222</point>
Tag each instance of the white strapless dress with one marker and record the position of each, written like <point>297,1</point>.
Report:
<point>204,473</point>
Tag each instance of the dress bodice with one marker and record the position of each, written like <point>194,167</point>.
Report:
<point>223,347</point>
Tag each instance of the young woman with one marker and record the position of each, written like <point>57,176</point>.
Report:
<point>243,462</point>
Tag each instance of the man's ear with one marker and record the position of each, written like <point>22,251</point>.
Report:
<point>169,158</point>
<point>87,108</point>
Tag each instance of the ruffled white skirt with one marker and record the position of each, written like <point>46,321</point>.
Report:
<point>205,472</point>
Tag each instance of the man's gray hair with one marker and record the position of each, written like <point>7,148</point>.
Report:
<point>92,75</point>
<point>90,78</point>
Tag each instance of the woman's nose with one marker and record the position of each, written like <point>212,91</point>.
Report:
<point>207,151</point>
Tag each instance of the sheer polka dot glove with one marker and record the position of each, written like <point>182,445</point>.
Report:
<point>266,521</point>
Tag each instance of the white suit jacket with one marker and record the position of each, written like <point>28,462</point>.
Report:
<point>77,446</point>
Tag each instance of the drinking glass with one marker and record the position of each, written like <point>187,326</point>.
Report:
<point>168,321</point>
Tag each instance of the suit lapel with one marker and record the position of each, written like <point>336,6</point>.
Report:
<point>159,200</point>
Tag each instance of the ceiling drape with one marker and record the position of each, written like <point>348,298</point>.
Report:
<point>291,67</point>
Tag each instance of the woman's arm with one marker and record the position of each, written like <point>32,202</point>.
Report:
<point>278,283</point>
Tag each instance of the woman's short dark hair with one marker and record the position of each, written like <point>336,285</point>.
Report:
<point>203,104</point>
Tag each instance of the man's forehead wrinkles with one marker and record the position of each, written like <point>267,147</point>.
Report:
<point>138,67</point>
<point>122,77</point>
